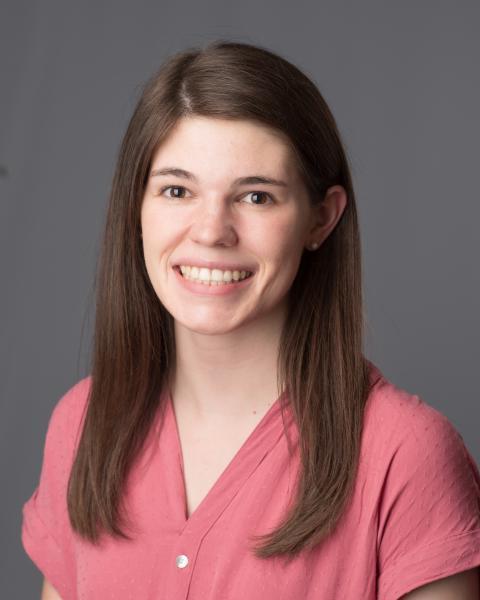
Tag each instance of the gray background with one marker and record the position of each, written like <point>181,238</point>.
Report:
<point>402,81</point>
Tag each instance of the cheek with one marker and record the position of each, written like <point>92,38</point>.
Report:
<point>282,269</point>
<point>149,218</point>
<point>283,243</point>
<point>286,252</point>
<point>158,230</point>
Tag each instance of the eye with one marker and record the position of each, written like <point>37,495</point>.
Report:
<point>260,195</point>
<point>176,188</point>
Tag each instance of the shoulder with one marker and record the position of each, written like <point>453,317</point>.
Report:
<point>398,419</point>
<point>68,413</point>
<point>424,489</point>
<point>413,458</point>
<point>74,399</point>
<point>46,529</point>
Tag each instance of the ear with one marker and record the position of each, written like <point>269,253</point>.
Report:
<point>326,215</point>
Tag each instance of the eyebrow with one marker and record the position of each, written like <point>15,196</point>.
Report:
<point>251,179</point>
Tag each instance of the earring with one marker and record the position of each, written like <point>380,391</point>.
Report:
<point>314,246</point>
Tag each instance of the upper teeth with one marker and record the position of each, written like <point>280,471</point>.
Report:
<point>204,274</point>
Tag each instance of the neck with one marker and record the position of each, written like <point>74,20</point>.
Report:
<point>228,376</point>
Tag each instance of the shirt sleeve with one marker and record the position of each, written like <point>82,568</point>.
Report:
<point>429,514</point>
<point>46,534</point>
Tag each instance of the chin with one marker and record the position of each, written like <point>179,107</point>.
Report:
<point>207,330</point>
<point>208,327</point>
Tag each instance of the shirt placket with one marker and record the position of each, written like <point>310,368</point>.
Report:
<point>182,564</point>
<point>192,531</point>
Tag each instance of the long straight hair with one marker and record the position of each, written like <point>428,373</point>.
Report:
<point>320,360</point>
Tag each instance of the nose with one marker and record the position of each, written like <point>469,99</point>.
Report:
<point>213,224</point>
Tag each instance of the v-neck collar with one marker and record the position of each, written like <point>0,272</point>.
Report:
<point>249,456</point>
<point>260,442</point>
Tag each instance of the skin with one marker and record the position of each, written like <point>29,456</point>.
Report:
<point>49,592</point>
<point>229,342</point>
<point>460,586</point>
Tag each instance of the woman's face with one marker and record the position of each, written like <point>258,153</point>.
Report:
<point>214,215</point>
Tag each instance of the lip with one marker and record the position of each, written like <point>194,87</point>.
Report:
<point>213,264</point>
<point>203,289</point>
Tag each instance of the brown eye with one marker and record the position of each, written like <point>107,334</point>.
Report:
<point>260,198</point>
<point>177,193</point>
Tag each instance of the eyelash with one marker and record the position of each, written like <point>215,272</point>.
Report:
<point>181,187</point>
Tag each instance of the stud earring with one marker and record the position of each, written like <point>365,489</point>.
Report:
<point>314,246</point>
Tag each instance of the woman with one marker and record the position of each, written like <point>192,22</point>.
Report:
<point>232,441</point>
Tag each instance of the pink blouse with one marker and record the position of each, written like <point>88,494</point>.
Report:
<point>414,516</point>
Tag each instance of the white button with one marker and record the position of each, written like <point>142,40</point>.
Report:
<point>182,561</point>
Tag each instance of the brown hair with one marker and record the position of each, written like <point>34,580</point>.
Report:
<point>320,360</point>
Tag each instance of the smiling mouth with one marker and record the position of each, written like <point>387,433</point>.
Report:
<point>212,276</point>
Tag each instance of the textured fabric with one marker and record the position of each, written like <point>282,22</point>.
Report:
<point>414,516</point>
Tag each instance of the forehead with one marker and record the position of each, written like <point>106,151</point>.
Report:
<point>226,145</point>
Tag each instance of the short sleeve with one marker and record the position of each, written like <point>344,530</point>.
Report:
<point>429,514</point>
<point>46,534</point>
